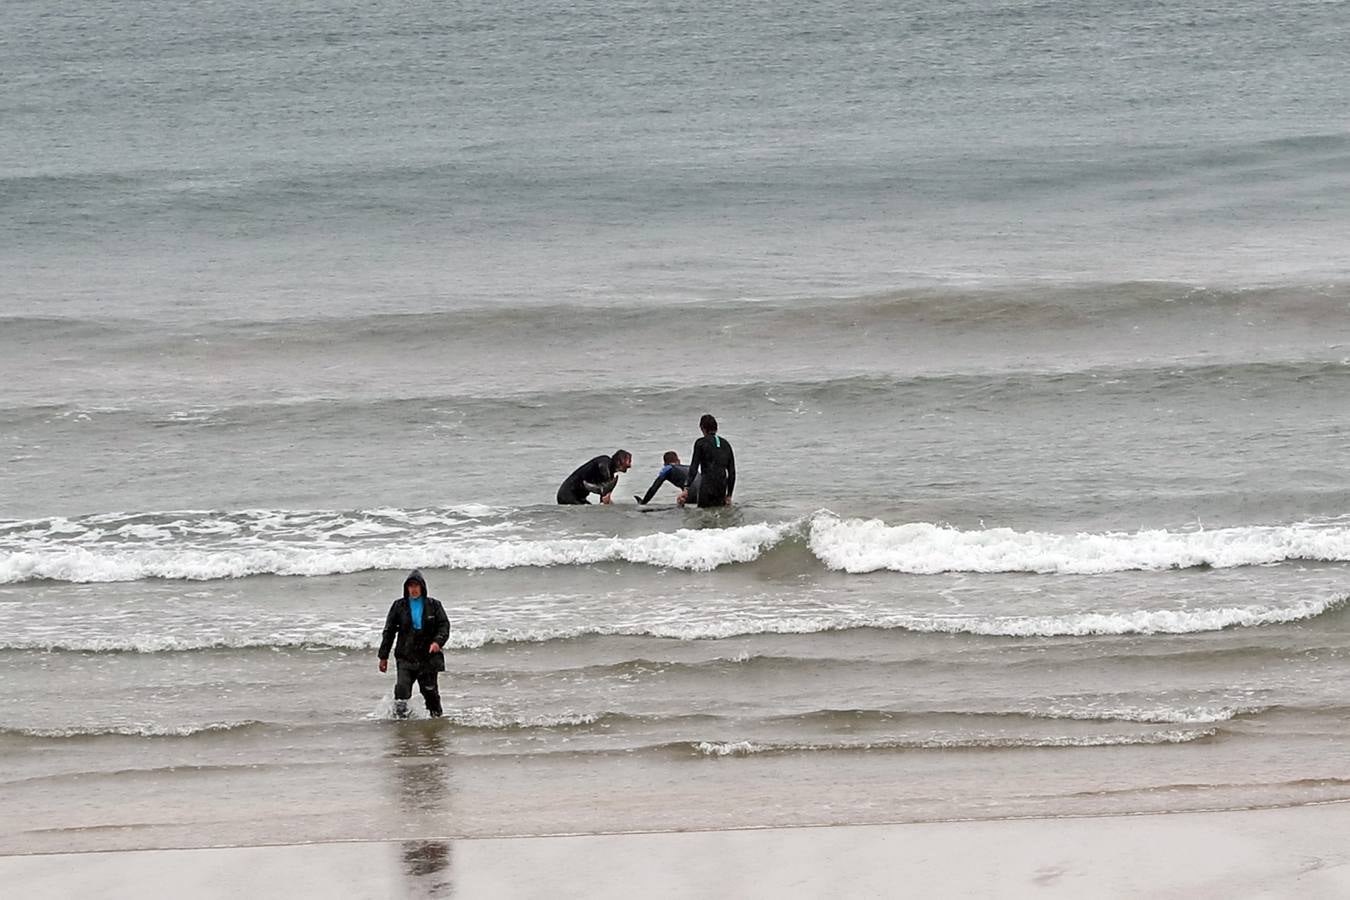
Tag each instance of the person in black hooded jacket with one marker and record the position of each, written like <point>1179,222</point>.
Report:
<point>420,626</point>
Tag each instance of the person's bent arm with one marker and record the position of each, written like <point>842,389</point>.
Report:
<point>387,638</point>
<point>604,484</point>
<point>695,460</point>
<point>442,630</point>
<point>604,490</point>
<point>731,472</point>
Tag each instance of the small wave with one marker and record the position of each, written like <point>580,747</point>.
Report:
<point>490,719</point>
<point>358,637</point>
<point>1162,621</point>
<point>129,730</point>
<point>871,391</point>
<point>972,742</point>
<point>1100,713</point>
<point>1032,305</point>
<point>1157,715</point>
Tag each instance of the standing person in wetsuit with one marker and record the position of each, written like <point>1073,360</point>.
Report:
<point>421,627</point>
<point>596,476</point>
<point>671,471</point>
<point>712,468</point>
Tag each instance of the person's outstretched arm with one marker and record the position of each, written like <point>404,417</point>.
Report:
<point>661,478</point>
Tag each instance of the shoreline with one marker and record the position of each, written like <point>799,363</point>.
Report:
<point>642,832</point>
<point>1256,852</point>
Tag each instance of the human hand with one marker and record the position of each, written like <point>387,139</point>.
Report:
<point>435,647</point>
<point>682,499</point>
<point>384,665</point>
<point>727,502</point>
<point>606,498</point>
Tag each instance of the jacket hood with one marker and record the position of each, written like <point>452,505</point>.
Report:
<point>415,577</point>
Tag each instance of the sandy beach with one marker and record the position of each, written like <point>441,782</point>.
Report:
<point>1289,852</point>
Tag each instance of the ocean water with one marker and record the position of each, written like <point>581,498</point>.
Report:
<point>1029,322</point>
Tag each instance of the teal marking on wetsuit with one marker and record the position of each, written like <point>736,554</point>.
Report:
<point>415,605</point>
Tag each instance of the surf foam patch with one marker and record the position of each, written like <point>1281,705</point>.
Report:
<point>690,549</point>
<point>921,548</point>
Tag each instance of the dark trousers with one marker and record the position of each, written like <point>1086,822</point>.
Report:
<point>425,676</point>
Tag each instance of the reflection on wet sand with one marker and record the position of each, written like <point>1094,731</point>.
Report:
<point>421,765</point>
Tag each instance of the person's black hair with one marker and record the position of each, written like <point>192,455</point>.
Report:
<point>707,424</point>
<point>620,454</point>
<point>670,458</point>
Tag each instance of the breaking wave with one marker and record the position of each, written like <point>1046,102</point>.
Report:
<point>219,546</point>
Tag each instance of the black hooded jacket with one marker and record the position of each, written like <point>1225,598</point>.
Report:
<point>414,644</point>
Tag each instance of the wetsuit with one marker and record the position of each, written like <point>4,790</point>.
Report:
<point>712,469</point>
<point>416,623</point>
<point>593,477</point>
<point>675,473</point>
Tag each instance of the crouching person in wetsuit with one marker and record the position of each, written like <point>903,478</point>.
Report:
<point>671,471</point>
<point>596,476</point>
<point>712,468</point>
<point>421,627</point>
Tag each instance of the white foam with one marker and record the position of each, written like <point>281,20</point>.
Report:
<point>921,548</point>
<point>359,639</point>
<point>690,549</point>
<point>727,748</point>
<point>978,741</point>
<point>488,718</point>
<point>130,730</point>
<point>1160,621</point>
<point>1170,715</point>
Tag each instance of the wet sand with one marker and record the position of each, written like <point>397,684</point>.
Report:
<point>1287,852</point>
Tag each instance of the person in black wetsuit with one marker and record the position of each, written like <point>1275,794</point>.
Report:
<point>671,471</point>
<point>596,476</point>
<point>421,627</point>
<point>712,468</point>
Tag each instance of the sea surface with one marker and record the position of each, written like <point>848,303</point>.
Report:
<point>1029,323</point>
